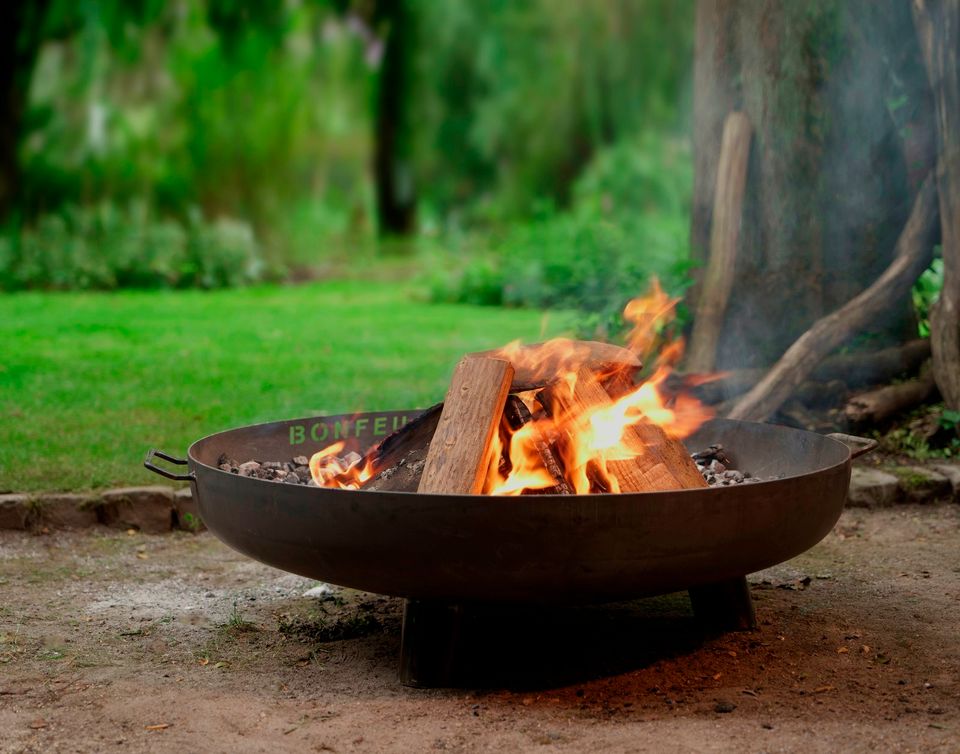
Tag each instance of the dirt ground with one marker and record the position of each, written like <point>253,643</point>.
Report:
<point>122,641</point>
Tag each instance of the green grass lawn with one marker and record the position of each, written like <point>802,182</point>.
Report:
<point>90,381</point>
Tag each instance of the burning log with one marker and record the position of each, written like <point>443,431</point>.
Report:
<point>660,463</point>
<point>539,364</point>
<point>516,415</point>
<point>459,453</point>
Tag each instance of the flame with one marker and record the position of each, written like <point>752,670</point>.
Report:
<point>601,418</point>
<point>589,437</point>
<point>347,473</point>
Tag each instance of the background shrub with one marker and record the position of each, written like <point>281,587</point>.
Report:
<point>107,247</point>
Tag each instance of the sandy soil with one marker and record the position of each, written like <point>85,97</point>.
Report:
<point>127,642</point>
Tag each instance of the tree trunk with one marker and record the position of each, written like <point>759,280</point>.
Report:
<point>938,26</point>
<point>392,161</point>
<point>914,252</point>
<point>828,189</point>
<point>20,27</point>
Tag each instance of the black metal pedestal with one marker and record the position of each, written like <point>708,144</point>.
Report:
<point>430,643</point>
<point>724,606</point>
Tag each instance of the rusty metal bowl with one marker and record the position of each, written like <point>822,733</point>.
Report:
<point>543,548</point>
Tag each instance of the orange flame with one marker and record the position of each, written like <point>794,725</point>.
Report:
<point>587,438</point>
<point>330,470</point>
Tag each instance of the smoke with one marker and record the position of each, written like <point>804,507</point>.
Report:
<point>838,99</point>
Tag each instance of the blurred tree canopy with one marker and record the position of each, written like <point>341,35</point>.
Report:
<point>321,122</point>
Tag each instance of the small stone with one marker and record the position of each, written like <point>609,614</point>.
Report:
<point>249,468</point>
<point>301,460</point>
<point>952,472</point>
<point>722,706</point>
<point>61,510</point>
<point>321,591</point>
<point>871,488</point>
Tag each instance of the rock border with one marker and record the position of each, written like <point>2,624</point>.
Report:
<point>157,509</point>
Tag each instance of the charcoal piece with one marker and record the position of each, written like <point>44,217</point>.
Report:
<point>399,458</point>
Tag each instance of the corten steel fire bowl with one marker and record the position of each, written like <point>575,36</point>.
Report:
<point>442,552</point>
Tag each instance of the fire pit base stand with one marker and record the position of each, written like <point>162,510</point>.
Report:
<point>430,643</point>
<point>432,635</point>
<point>724,606</point>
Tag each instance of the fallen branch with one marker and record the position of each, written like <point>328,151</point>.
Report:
<point>855,370</point>
<point>724,237</point>
<point>876,405</point>
<point>913,255</point>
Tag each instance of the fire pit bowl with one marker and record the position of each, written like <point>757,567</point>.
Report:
<point>450,550</point>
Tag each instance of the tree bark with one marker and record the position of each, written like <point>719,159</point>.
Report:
<point>828,188</point>
<point>724,240</point>
<point>392,160</point>
<point>20,38</point>
<point>714,96</point>
<point>938,27</point>
<point>913,254</point>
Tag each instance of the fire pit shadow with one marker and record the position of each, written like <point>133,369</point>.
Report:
<point>538,647</point>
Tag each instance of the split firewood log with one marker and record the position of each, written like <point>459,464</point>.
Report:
<point>537,365</point>
<point>661,463</point>
<point>459,453</point>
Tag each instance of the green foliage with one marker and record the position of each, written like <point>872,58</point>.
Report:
<point>931,431</point>
<point>238,109</point>
<point>950,420</point>
<point>629,223</point>
<point>925,292</point>
<point>519,95</point>
<point>106,247</point>
<point>264,112</point>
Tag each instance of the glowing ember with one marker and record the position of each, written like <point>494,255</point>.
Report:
<point>330,470</point>
<point>590,433</point>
